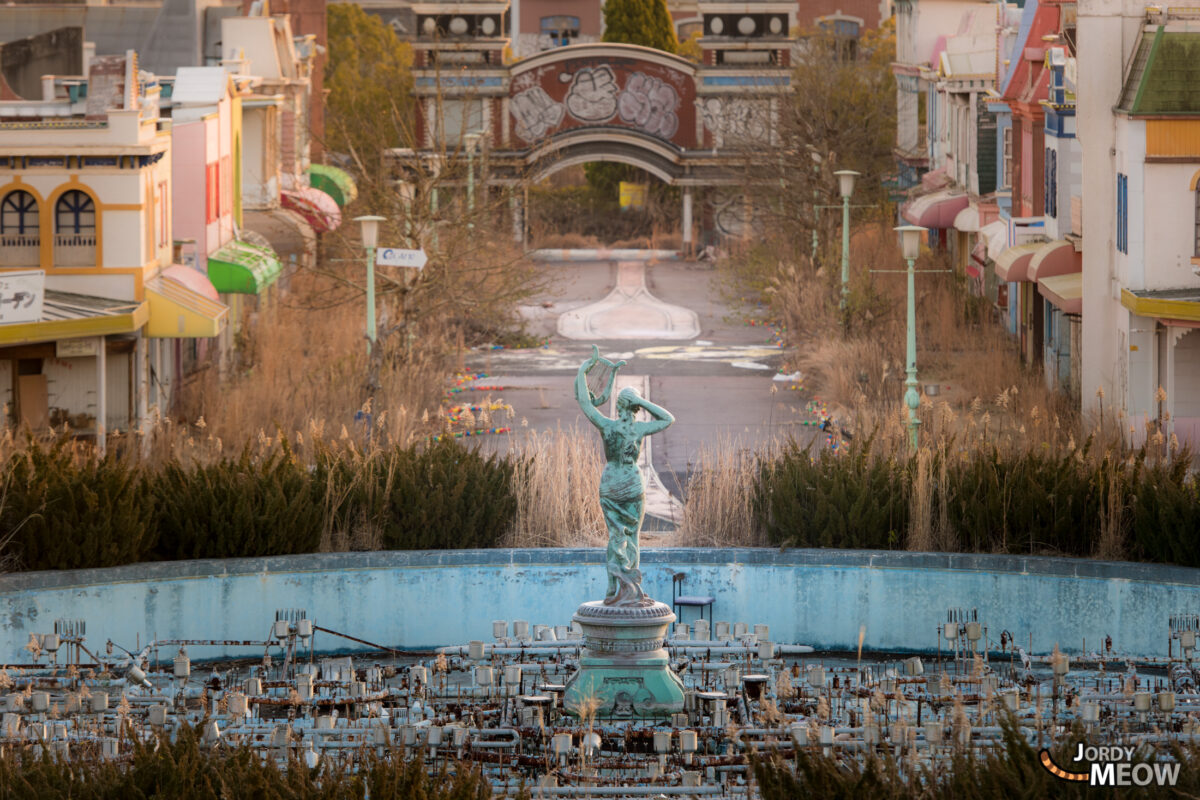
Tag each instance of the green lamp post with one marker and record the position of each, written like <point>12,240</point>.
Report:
<point>910,246</point>
<point>370,238</point>
<point>846,185</point>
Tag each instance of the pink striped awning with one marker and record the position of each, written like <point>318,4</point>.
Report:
<point>1055,258</point>
<point>319,210</point>
<point>936,209</point>
<point>192,279</point>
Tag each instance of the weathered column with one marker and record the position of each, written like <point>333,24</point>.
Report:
<point>101,395</point>
<point>686,224</point>
<point>141,390</point>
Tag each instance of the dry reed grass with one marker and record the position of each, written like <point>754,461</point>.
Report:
<point>557,483</point>
<point>300,367</point>
<point>718,506</point>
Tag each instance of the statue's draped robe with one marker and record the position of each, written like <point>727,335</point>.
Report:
<point>623,502</point>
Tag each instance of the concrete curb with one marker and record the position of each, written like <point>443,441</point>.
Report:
<point>548,556</point>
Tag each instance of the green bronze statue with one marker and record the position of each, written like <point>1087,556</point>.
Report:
<point>622,491</point>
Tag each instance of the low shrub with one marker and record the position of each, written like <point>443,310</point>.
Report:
<point>438,497</point>
<point>65,508</point>
<point>859,499</point>
<point>447,496</point>
<point>1069,501</point>
<point>240,507</point>
<point>68,509</point>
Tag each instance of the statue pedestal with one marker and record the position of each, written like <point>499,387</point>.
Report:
<point>624,671</point>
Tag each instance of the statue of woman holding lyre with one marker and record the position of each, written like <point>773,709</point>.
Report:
<point>622,492</point>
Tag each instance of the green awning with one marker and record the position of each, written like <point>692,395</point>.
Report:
<point>334,182</point>
<point>243,268</point>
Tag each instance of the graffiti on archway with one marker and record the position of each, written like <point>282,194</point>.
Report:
<point>646,96</point>
<point>733,214</point>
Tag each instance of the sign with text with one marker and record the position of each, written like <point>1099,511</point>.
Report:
<point>75,348</point>
<point>21,295</point>
<point>395,257</point>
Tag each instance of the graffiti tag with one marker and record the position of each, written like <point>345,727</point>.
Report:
<point>649,104</point>
<point>536,113</point>
<point>593,95</point>
<point>736,119</point>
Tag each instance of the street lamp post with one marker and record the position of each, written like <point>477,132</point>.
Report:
<point>846,185</point>
<point>470,141</point>
<point>910,245</point>
<point>370,238</point>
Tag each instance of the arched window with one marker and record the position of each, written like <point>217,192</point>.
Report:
<point>75,214</point>
<point>74,230</point>
<point>19,214</point>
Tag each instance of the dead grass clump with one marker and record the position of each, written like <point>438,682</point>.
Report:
<point>920,519</point>
<point>719,500</point>
<point>556,481</point>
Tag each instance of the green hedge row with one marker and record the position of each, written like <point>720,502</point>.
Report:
<point>1032,502</point>
<point>64,510</point>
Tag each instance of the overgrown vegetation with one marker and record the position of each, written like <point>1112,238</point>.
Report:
<point>183,768</point>
<point>66,508</point>
<point>973,488</point>
<point>1013,770</point>
<point>592,214</point>
<point>985,500</point>
<point>368,80</point>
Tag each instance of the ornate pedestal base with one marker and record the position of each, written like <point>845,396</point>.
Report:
<point>624,672</point>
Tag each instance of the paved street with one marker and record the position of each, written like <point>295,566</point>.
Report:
<point>667,320</point>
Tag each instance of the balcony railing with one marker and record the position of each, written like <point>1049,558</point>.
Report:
<point>20,250</point>
<point>74,249</point>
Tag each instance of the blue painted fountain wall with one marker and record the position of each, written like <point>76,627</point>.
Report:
<point>430,598</point>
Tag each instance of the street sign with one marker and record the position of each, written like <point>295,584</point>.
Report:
<point>21,295</point>
<point>395,257</point>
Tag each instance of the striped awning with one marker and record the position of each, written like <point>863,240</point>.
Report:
<point>243,268</point>
<point>936,209</point>
<point>318,209</point>
<point>1064,291</point>
<point>1055,258</point>
<point>967,220</point>
<point>334,182</point>
<point>179,312</point>
<point>1013,264</point>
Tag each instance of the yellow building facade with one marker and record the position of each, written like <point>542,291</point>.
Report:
<point>85,224</point>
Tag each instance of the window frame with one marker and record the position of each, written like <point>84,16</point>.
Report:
<point>78,212</point>
<point>22,213</point>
